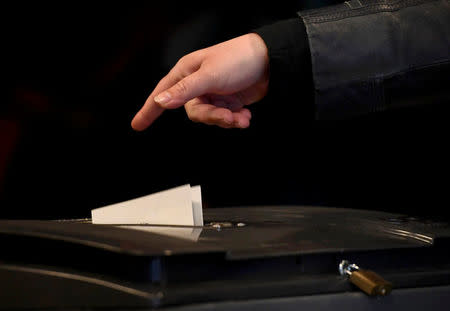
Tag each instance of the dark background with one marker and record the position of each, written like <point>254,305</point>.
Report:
<point>76,73</point>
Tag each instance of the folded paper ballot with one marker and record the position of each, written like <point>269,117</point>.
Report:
<point>180,206</point>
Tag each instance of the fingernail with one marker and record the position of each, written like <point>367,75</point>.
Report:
<point>242,125</point>
<point>163,98</point>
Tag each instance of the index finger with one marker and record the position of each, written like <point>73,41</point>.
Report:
<point>151,109</point>
<point>149,112</point>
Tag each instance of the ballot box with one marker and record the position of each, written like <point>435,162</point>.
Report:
<point>243,258</point>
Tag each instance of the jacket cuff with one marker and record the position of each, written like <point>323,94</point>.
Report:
<point>290,72</point>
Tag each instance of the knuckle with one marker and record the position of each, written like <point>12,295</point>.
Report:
<point>181,68</point>
<point>211,74</point>
<point>186,64</point>
<point>213,78</point>
<point>192,115</point>
<point>181,87</point>
<point>182,61</point>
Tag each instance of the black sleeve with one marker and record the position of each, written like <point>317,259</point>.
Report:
<point>360,57</point>
<point>373,56</point>
<point>290,82</point>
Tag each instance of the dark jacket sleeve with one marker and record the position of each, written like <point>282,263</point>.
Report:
<point>375,55</point>
<point>290,81</point>
<point>362,56</point>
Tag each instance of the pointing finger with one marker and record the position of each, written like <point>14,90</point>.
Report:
<point>151,110</point>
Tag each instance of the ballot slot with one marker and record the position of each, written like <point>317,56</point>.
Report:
<point>184,232</point>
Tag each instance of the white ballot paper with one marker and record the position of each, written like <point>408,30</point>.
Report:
<point>180,206</point>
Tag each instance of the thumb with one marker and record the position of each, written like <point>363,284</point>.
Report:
<point>192,86</point>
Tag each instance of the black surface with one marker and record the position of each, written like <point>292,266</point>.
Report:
<point>266,231</point>
<point>428,298</point>
<point>282,251</point>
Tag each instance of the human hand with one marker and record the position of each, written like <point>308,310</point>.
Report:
<point>214,84</point>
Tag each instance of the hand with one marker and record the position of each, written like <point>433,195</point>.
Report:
<point>213,84</point>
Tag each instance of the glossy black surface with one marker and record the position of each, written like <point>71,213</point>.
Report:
<point>249,232</point>
<point>241,253</point>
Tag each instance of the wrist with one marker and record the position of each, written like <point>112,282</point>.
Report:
<point>260,52</point>
<point>259,47</point>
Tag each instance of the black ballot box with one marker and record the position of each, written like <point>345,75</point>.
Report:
<point>243,258</point>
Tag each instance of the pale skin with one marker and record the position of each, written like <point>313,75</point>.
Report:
<point>214,84</point>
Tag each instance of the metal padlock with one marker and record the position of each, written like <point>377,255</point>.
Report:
<point>368,281</point>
